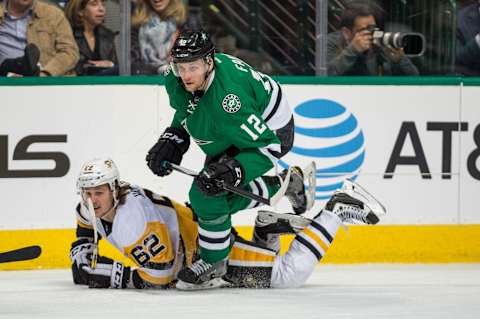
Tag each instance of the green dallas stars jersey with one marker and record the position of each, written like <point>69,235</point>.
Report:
<point>240,108</point>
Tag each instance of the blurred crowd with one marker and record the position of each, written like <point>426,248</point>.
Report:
<point>76,37</point>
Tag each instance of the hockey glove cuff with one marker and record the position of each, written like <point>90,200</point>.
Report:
<point>107,274</point>
<point>227,171</point>
<point>171,146</point>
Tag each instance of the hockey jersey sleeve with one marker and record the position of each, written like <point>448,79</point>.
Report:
<point>84,225</point>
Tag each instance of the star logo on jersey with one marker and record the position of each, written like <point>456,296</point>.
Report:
<point>167,71</point>
<point>191,106</point>
<point>231,103</point>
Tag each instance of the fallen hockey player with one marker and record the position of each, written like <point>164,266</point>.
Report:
<point>160,236</point>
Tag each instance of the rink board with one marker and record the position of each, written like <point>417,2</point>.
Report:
<point>414,144</point>
<point>361,244</point>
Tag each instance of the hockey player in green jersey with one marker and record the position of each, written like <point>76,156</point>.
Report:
<point>242,122</point>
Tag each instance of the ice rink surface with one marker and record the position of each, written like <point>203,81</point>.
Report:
<point>333,291</point>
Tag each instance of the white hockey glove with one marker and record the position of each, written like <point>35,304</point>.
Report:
<point>81,251</point>
<point>80,254</point>
<point>107,274</point>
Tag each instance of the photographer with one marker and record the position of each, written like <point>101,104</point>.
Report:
<point>468,40</point>
<point>352,51</point>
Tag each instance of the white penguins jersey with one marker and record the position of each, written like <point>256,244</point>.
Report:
<point>157,234</point>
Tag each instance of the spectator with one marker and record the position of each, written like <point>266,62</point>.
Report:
<point>154,28</point>
<point>25,65</point>
<point>351,50</point>
<point>95,41</point>
<point>31,21</point>
<point>228,44</point>
<point>468,40</point>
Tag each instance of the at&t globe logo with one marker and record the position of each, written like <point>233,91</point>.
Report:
<point>327,133</point>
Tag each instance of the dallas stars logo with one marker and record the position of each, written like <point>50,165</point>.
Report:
<point>191,106</point>
<point>231,103</point>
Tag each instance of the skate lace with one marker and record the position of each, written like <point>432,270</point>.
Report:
<point>200,267</point>
<point>352,213</point>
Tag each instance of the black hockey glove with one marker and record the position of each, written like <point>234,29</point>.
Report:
<point>227,171</point>
<point>171,146</point>
<point>107,274</point>
<point>80,253</point>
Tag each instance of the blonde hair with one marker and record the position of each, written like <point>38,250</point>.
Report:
<point>71,11</point>
<point>176,9</point>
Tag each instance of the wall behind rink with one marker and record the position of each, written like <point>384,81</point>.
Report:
<point>415,147</point>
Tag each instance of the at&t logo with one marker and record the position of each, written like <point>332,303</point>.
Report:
<point>327,133</point>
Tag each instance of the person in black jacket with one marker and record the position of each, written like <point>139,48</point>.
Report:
<point>352,51</point>
<point>468,40</point>
<point>96,42</point>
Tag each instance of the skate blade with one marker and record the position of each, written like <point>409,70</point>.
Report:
<point>296,221</point>
<point>211,284</point>
<point>355,190</point>
<point>310,176</point>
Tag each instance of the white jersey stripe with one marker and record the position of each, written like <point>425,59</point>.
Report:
<point>263,186</point>
<point>273,147</point>
<point>214,246</point>
<point>282,114</point>
<point>213,234</point>
<point>255,190</point>
<point>255,249</point>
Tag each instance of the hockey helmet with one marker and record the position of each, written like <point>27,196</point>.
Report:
<point>98,171</point>
<point>192,45</point>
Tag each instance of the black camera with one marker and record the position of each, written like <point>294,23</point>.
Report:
<point>413,43</point>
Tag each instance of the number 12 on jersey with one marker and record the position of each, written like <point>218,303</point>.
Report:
<point>255,124</point>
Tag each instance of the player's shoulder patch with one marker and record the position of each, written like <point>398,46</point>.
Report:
<point>81,216</point>
<point>167,70</point>
<point>158,199</point>
<point>231,103</point>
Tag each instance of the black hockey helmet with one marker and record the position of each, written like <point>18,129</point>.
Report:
<point>192,45</point>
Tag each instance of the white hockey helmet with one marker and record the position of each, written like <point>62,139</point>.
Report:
<point>98,171</point>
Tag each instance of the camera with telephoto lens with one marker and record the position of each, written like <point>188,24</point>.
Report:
<point>412,43</point>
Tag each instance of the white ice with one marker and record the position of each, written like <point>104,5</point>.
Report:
<point>333,291</point>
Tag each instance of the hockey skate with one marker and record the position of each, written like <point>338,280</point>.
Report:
<point>354,205</point>
<point>300,196</point>
<point>202,275</point>
<point>269,226</point>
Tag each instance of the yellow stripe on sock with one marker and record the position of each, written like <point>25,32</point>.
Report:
<point>317,239</point>
<point>241,254</point>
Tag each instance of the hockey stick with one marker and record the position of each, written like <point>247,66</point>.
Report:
<point>25,253</point>
<point>91,211</point>
<point>240,191</point>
